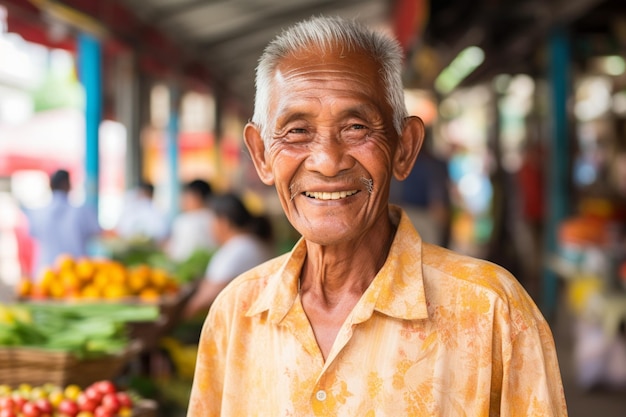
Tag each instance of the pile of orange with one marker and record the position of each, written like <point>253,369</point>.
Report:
<point>88,278</point>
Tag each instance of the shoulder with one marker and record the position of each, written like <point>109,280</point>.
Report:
<point>468,270</point>
<point>472,284</point>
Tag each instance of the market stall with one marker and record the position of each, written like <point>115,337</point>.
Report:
<point>83,321</point>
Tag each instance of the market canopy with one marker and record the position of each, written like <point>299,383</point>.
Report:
<point>220,41</point>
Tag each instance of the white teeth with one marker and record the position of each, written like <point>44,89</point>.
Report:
<point>330,196</point>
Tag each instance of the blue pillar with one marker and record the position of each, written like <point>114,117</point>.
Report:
<point>172,151</point>
<point>90,73</point>
<point>558,168</point>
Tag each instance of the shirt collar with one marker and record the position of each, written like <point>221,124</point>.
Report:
<point>396,291</point>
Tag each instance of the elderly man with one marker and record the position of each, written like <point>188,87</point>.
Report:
<point>361,318</point>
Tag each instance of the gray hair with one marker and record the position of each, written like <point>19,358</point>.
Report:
<point>323,33</point>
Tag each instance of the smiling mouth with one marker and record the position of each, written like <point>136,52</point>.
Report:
<point>336,195</point>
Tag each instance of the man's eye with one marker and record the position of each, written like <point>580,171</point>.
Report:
<point>296,135</point>
<point>355,133</point>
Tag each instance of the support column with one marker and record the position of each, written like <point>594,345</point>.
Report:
<point>90,73</point>
<point>218,132</point>
<point>127,111</point>
<point>559,154</point>
<point>172,150</point>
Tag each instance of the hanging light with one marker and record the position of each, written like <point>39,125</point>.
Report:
<point>461,66</point>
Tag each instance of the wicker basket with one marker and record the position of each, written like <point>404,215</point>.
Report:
<point>38,366</point>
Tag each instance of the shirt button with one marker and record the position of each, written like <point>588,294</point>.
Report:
<point>320,395</point>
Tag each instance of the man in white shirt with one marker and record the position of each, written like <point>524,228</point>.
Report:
<point>140,217</point>
<point>61,228</point>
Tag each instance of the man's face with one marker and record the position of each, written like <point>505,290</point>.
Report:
<point>332,144</point>
<point>189,201</point>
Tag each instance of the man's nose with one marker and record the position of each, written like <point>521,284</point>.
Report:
<point>329,156</point>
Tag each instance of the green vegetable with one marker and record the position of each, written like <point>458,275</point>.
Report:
<point>86,330</point>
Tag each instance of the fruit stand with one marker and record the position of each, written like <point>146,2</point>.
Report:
<point>81,322</point>
<point>99,399</point>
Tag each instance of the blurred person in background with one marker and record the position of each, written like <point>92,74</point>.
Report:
<point>244,240</point>
<point>140,218</point>
<point>426,197</point>
<point>362,317</point>
<point>192,229</point>
<point>61,228</point>
<point>529,230</point>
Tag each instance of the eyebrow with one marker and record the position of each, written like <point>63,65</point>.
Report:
<point>284,120</point>
<point>358,110</point>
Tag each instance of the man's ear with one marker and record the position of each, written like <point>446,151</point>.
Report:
<point>256,147</point>
<point>409,145</point>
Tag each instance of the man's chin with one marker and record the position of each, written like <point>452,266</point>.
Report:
<point>328,236</point>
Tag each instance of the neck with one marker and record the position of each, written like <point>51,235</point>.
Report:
<point>334,273</point>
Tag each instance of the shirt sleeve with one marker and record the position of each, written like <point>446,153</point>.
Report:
<point>531,380</point>
<point>207,389</point>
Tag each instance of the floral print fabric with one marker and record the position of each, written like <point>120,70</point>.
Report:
<point>435,334</point>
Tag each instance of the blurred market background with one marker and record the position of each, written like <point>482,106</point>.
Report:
<point>525,103</point>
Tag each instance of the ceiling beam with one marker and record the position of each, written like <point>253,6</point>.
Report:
<point>516,50</point>
<point>279,19</point>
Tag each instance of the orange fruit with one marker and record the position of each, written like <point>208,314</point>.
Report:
<point>115,292</point>
<point>90,292</point>
<point>64,262</point>
<point>70,280</point>
<point>101,279</point>
<point>149,294</point>
<point>85,269</point>
<point>73,294</point>
<point>117,273</point>
<point>57,290</point>
<point>159,278</point>
<point>39,292</point>
<point>47,276</point>
<point>24,287</point>
<point>138,278</point>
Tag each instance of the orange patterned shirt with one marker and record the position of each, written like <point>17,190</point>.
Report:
<point>435,334</point>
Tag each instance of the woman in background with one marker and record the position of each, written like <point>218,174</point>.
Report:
<point>244,241</point>
<point>192,228</point>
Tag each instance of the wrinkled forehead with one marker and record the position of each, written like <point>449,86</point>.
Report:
<point>317,68</point>
<point>334,62</point>
<point>328,53</point>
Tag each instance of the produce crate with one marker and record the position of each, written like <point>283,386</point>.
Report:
<point>38,366</point>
